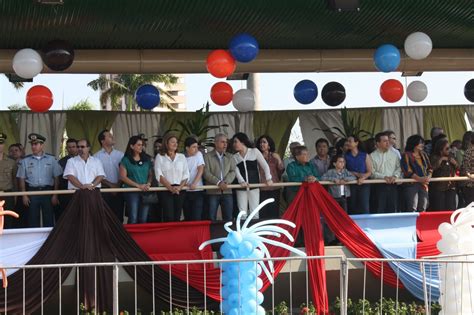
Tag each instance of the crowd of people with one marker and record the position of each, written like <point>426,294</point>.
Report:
<point>241,161</point>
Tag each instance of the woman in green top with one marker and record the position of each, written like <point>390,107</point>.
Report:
<point>300,170</point>
<point>136,171</point>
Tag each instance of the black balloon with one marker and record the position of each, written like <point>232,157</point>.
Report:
<point>333,93</point>
<point>58,55</point>
<point>469,90</point>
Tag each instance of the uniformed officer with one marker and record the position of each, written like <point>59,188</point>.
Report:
<point>39,171</point>
<point>8,171</point>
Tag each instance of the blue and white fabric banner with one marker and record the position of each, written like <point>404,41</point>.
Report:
<point>18,246</point>
<point>394,235</point>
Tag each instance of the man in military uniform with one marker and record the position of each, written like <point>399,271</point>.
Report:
<point>39,171</point>
<point>8,171</point>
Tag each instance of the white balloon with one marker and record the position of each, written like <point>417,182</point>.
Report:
<point>445,228</point>
<point>417,91</point>
<point>27,63</point>
<point>244,100</point>
<point>418,45</point>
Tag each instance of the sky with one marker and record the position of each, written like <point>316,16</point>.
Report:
<point>276,89</point>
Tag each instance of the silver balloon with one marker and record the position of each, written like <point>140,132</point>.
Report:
<point>417,91</point>
<point>27,63</point>
<point>244,100</point>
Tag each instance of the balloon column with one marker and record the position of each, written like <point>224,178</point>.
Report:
<point>39,98</point>
<point>147,96</point>
<point>2,214</point>
<point>457,279</point>
<point>241,283</point>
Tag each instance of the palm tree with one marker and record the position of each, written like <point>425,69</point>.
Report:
<point>114,88</point>
<point>16,85</point>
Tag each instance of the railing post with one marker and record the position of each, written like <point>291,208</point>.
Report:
<point>115,290</point>
<point>344,284</point>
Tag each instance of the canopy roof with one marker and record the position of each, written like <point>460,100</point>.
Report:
<point>208,24</point>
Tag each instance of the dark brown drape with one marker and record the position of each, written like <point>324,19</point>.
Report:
<point>88,231</point>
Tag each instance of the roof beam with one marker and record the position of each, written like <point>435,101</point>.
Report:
<point>193,61</point>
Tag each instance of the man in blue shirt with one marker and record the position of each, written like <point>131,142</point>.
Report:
<point>39,171</point>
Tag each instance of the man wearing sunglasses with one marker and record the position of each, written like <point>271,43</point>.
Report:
<point>84,171</point>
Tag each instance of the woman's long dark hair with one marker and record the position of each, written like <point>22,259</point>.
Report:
<point>242,137</point>
<point>439,146</point>
<point>271,143</point>
<point>467,140</point>
<point>412,142</point>
<point>129,151</point>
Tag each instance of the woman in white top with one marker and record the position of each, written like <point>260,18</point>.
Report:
<point>248,161</point>
<point>193,203</point>
<point>171,171</point>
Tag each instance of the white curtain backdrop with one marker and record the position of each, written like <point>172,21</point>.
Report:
<point>50,125</point>
<point>312,124</point>
<point>127,125</point>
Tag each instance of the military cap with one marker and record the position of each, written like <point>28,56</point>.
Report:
<point>142,136</point>
<point>35,137</point>
<point>3,137</point>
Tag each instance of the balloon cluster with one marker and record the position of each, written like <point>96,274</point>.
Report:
<point>241,283</point>
<point>222,63</point>
<point>306,92</point>
<point>58,55</point>
<point>457,280</point>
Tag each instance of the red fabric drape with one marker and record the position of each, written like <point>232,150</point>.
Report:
<point>427,232</point>
<point>305,211</point>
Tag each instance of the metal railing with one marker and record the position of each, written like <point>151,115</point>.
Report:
<point>347,267</point>
<point>232,186</point>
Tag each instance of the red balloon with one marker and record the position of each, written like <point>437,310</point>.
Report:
<point>220,63</point>
<point>391,91</point>
<point>39,98</point>
<point>222,93</point>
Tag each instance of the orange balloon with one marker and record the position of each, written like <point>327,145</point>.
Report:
<point>222,93</point>
<point>39,98</point>
<point>391,91</point>
<point>220,63</point>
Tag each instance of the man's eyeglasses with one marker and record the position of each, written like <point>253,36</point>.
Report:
<point>81,146</point>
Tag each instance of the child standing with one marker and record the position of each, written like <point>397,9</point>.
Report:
<point>339,175</point>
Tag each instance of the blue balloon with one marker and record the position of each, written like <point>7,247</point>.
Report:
<point>305,92</point>
<point>250,306</point>
<point>147,96</point>
<point>259,283</point>
<point>225,249</point>
<point>234,238</point>
<point>245,249</point>
<point>387,58</point>
<point>243,47</point>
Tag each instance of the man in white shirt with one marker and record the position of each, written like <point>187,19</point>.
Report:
<point>110,159</point>
<point>84,171</point>
<point>386,166</point>
<point>392,139</point>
